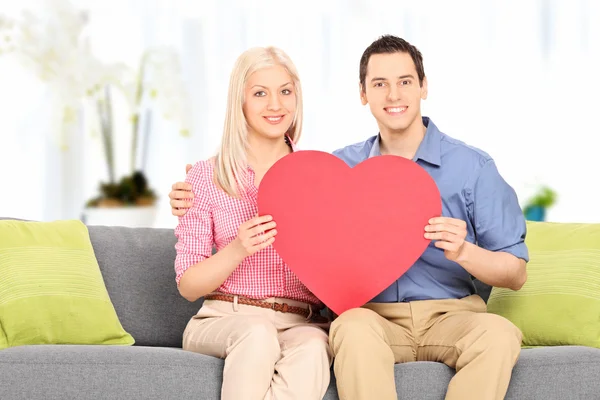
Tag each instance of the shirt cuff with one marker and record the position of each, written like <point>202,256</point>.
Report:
<point>518,250</point>
<point>185,261</point>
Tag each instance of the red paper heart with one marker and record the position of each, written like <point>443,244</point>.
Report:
<point>348,233</point>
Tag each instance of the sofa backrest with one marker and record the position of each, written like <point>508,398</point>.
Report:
<point>137,267</point>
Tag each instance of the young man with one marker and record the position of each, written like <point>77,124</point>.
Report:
<point>431,313</point>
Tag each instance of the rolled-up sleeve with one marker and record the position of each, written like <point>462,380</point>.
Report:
<point>194,231</point>
<point>497,216</point>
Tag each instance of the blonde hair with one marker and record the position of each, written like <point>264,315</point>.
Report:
<point>231,161</point>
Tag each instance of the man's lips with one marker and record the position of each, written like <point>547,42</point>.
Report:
<point>396,110</point>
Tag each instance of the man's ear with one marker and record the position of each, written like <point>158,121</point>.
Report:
<point>424,89</point>
<point>363,95</point>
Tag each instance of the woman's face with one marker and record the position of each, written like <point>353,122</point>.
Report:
<point>270,102</point>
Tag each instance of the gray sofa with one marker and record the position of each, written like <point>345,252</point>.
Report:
<point>137,265</point>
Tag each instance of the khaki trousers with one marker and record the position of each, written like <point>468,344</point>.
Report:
<point>483,348</point>
<point>268,354</point>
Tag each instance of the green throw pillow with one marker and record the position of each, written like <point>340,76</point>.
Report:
<point>51,287</point>
<point>560,302</point>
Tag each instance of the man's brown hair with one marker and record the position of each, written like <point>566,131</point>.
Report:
<point>389,44</point>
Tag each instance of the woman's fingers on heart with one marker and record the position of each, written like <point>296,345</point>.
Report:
<point>262,228</point>
<point>260,239</point>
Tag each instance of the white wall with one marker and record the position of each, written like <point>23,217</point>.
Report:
<point>515,78</point>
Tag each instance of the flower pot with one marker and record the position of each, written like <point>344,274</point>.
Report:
<point>132,216</point>
<point>535,213</point>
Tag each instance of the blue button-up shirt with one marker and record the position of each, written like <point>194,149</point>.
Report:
<point>472,190</point>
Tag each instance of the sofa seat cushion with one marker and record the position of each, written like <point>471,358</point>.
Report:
<point>107,372</point>
<point>562,372</point>
<point>74,372</point>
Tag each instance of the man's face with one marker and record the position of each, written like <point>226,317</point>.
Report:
<point>392,91</point>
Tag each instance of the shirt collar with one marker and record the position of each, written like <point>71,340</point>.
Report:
<point>291,143</point>
<point>429,149</point>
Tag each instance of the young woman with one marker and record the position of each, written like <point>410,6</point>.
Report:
<point>256,315</point>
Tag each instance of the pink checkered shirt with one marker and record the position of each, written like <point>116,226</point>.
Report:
<point>214,219</point>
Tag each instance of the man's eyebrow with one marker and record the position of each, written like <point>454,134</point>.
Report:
<point>377,79</point>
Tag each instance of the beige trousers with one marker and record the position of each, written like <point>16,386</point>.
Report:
<point>268,354</point>
<point>483,348</point>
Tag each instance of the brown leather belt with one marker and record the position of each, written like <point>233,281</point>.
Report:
<point>281,307</point>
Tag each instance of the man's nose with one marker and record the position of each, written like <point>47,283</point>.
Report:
<point>394,93</point>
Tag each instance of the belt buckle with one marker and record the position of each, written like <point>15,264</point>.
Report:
<point>281,307</point>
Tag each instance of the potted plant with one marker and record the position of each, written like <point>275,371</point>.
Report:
<point>54,45</point>
<point>130,201</point>
<point>535,209</point>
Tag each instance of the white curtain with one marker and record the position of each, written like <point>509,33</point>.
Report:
<point>515,78</point>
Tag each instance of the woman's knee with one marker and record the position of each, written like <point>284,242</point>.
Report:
<point>258,331</point>
<point>316,344</point>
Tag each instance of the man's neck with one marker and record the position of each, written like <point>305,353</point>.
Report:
<point>263,153</point>
<point>403,143</point>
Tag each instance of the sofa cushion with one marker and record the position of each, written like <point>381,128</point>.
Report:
<point>137,265</point>
<point>100,372</point>
<point>556,373</point>
<point>560,302</point>
<point>51,288</point>
<point>73,372</point>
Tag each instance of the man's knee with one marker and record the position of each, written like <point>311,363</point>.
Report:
<point>500,333</point>
<point>352,325</point>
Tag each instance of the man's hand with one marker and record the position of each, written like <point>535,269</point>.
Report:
<point>181,196</point>
<point>450,234</point>
<point>495,268</point>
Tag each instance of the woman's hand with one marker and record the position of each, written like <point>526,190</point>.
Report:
<point>254,235</point>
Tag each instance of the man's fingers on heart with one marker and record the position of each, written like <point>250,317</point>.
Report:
<point>441,228</point>
<point>447,246</point>
<point>459,223</point>
<point>446,236</point>
<point>444,245</point>
<point>446,228</point>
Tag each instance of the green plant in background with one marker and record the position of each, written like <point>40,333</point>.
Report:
<point>535,208</point>
<point>54,43</point>
<point>132,190</point>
